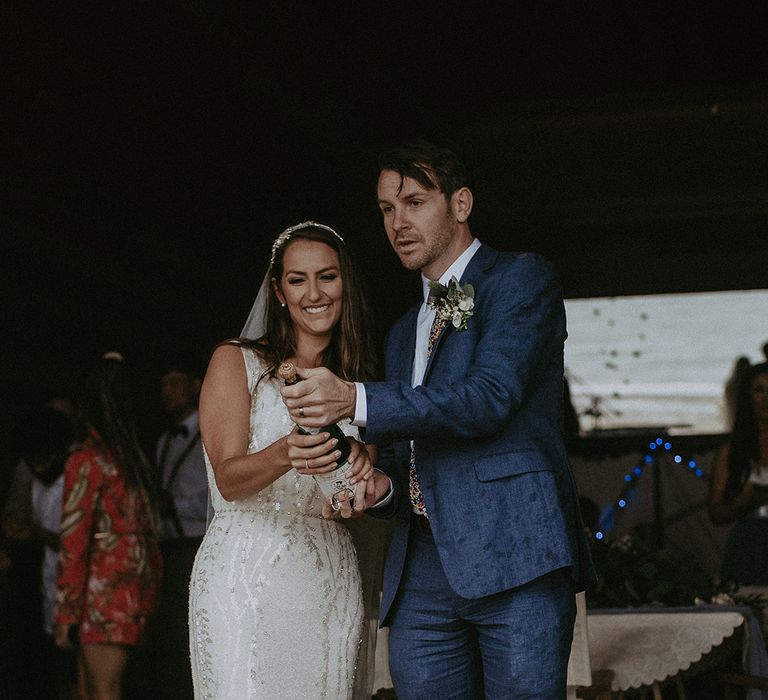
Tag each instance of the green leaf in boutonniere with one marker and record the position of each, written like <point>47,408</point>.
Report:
<point>452,302</point>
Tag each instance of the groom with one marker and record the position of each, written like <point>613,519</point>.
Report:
<point>488,550</point>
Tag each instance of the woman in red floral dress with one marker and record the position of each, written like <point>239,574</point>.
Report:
<point>110,565</point>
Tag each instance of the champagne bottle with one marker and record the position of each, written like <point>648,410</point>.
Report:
<point>330,483</point>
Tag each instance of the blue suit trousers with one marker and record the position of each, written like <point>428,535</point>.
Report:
<point>513,644</point>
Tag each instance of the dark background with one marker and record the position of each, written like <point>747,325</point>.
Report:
<point>152,151</point>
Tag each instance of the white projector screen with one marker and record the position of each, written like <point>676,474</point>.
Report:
<point>660,360</point>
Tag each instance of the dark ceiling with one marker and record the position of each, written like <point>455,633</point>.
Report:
<point>153,150</point>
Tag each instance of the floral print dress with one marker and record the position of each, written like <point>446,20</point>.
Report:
<point>110,566</point>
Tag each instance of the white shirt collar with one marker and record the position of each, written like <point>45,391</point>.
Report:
<point>456,268</point>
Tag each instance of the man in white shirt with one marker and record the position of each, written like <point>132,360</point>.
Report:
<point>183,490</point>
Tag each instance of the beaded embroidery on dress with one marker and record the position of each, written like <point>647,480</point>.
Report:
<point>276,609</point>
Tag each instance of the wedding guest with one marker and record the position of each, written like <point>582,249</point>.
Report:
<point>731,389</point>
<point>47,461</point>
<point>488,548</point>
<point>276,608</point>
<point>33,516</point>
<point>110,564</point>
<point>44,431</point>
<point>183,496</point>
<point>738,489</point>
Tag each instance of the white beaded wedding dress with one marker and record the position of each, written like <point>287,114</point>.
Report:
<point>276,609</point>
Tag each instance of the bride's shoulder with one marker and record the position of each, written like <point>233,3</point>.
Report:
<point>226,353</point>
<point>235,355</point>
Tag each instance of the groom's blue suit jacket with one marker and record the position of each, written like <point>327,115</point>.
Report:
<point>487,430</point>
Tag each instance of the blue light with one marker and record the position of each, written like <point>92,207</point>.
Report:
<point>652,445</point>
<point>648,458</point>
<point>599,535</point>
<point>667,445</point>
<point>627,478</point>
<point>692,464</point>
<point>622,503</point>
<point>699,473</point>
<point>659,441</point>
<point>678,459</point>
<point>638,471</point>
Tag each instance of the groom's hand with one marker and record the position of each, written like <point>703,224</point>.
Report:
<point>321,399</point>
<point>367,495</point>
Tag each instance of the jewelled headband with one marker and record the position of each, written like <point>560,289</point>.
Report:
<point>286,235</point>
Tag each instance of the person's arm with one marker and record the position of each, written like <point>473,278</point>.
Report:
<point>82,478</point>
<point>522,331</point>
<point>384,498</point>
<point>523,326</point>
<point>225,406</point>
<point>722,511</point>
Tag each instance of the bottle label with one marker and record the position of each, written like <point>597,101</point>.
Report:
<point>334,482</point>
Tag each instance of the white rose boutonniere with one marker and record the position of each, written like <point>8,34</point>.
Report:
<point>454,302</point>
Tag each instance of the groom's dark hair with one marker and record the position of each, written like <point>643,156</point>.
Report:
<point>432,166</point>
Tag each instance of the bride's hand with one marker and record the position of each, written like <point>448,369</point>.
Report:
<point>312,454</point>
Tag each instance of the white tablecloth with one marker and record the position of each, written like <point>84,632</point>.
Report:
<point>644,646</point>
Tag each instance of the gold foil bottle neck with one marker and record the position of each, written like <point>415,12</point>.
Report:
<point>287,372</point>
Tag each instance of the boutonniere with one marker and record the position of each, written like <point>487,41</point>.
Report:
<point>454,302</point>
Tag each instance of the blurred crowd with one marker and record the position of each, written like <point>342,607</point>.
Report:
<point>100,526</point>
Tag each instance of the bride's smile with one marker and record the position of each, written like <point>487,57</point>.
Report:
<point>311,287</point>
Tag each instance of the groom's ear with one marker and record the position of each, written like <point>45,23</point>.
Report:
<point>461,204</point>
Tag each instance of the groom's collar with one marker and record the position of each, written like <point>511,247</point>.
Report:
<point>456,269</point>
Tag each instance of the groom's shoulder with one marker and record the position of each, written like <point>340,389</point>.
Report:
<point>519,262</point>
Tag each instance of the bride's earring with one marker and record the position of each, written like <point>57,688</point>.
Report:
<point>282,304</point>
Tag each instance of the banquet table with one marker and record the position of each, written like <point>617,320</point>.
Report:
<point>646,646</point>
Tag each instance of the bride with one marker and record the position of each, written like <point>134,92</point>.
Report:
<point>276,607</point>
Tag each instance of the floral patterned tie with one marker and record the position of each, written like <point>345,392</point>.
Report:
<point>417,498</point>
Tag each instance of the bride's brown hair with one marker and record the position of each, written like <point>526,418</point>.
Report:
<point>351,352</point>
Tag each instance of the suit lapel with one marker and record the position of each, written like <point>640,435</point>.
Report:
<point>475,270</point>
<point>403,356</point>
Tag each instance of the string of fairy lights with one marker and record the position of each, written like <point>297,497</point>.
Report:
<point>634,474</point>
